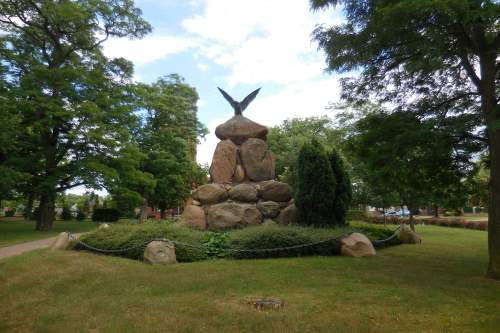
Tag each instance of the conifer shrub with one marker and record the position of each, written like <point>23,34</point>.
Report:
<point>343,188</point>
<point>316,186</point>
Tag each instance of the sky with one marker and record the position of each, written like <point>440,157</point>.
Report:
<point>238,45</point>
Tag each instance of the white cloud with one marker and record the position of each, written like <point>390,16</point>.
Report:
<point>146,50</point>
<point>262,40</point>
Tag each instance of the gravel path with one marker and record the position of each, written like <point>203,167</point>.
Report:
<point>14,250</point>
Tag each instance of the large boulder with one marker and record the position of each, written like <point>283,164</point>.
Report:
<point>408,236</point>
<point>269,209</point>
<point>232,215</point>
<point>224,162</point>
<point>257,159</point>
<point>244,193</point>
<point>238,129</point>
<point>210,194</point>
<point>289,215</point>
<point>194,217</point>
<point>275,191</point>
<point>158,252</point>
<point>357,245</point>
<point>61,242</point>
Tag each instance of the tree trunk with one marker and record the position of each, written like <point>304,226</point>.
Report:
<point>385,217</point>
<point>28,211</point>
<point>143,215</point>
<point>436,211</point>
<point>412,220</point>
<point>46,217</point>
<point>491,111</point>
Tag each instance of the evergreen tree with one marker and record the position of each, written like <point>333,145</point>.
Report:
<point>316,186</point>
<point>343,189</point>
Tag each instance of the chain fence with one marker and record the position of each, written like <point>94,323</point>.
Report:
<point>226,249</point>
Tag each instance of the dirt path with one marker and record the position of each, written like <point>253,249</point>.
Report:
<point>14,250</point>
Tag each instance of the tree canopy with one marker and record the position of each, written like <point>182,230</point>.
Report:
<point>439,59</point>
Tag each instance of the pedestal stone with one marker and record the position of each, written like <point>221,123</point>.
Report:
<point>257,159</point>
<point>224,162</point>
<point>238,129</point>
<point>231,215</point>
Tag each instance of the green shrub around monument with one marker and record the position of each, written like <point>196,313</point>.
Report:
<point>201,245</point>
<point>128,236</point>
<point>316,186</point>
<point>106,215</point>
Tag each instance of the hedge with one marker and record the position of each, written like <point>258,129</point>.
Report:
<point>214,244</point>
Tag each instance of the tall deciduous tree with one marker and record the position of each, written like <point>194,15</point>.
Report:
<point>73,99</point>
<point>287,139</point>
<point>429,57</point>
<point>400,154</point>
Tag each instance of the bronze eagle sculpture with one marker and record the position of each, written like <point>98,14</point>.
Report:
<point>239,107</point>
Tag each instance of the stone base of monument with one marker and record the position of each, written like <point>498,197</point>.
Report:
<point>225,206</point>
<point>243,191</point>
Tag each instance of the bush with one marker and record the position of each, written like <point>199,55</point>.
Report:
<point>214,244</point>
<point>356,215</point>
<point>66,214</point>
<point>80,215</point>
<point>10,213</point>
<point>316,186</point>
<point>343,189</point>
<point>121,236</point>
<point>106,215</point>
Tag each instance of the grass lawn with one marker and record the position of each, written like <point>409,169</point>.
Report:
<point>438,286</point>
<point>16,230</point>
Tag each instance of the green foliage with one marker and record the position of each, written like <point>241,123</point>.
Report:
<point>80,215</point>
<point>343,188</point>
<point>356,215</point>
<point>10,213</point>
<point>74,104</point>
<point>66,214</point>
<point>216,243</point>
<point>405,160</point>
<point>206,244</point>
<point>316,186</point>
<point>125,236</point>
<point>106,215</point>
<point>286,140</point>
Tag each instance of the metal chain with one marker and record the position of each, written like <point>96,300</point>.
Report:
<point>204,247</point>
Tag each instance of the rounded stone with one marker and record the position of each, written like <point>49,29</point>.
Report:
<point>289,215</point>
<point>210,194</point>
<point>238,129</point>
<point>357,245</point>
<point>194,217</point>
<point>244,193</point>
<point>258,160</point>
<point>275,191</point>
<point>224,162</point>
<point>233,215</point>
<point>158,252</point>
<point>269,209</point>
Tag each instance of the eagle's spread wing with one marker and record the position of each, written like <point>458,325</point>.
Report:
<point>231,101</point>
<point>248,99</point>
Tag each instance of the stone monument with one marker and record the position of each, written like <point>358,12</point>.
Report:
<point>242,190</point>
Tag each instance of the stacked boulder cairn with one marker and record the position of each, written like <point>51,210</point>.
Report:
<point>242,189</point>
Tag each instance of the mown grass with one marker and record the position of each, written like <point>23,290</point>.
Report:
<point>16,230</point>
<point>438,286</point>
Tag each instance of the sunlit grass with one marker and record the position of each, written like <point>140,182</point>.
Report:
<point>438,286</point>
